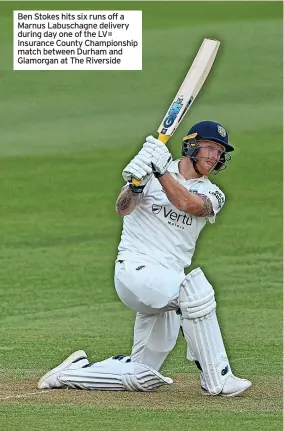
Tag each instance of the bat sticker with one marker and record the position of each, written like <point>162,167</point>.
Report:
<point>186,108</point>
<point>173,112</point>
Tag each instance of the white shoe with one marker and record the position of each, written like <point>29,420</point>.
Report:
<point>50,380</point>
<point>233,386</point>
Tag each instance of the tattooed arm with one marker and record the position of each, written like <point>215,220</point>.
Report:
<point>207,209</point>
<point>127,201</point>
<point>192,203</point>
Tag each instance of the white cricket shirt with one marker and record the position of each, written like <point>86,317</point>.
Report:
<point>157,231</point>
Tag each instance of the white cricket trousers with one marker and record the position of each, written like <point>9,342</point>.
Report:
<point>152,291</point>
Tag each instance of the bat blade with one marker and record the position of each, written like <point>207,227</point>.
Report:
<point>189,89</point>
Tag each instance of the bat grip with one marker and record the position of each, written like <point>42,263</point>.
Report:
<point>163,138</point>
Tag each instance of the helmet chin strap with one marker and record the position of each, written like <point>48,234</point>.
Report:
<point>194,163</point>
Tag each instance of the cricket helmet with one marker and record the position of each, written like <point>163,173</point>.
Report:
<point>207,131</point>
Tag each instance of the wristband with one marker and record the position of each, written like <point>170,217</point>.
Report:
<point>156,173</point>
<point>136,189</point>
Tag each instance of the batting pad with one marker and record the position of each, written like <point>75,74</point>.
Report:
<point>201,330</point>
<point>114,375</point>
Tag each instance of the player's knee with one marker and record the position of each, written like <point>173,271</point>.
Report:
<point>196,297</point>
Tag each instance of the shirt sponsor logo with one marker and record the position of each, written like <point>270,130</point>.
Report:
<point>174,218</point>
<point>156,209</point>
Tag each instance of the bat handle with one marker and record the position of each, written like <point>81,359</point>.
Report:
<point>163,138</point>
<point>135,182</point>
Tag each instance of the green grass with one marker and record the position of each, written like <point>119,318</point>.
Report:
<point>64,139</point>
<point>78,418</point>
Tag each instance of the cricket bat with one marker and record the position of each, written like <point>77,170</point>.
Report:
<point>188,91</point>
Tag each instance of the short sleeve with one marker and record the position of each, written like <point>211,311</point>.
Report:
<point>217,198</point>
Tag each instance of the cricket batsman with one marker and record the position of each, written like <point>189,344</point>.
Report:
<point>163,217</point>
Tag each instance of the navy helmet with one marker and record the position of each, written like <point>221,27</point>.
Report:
<point>207,131</point>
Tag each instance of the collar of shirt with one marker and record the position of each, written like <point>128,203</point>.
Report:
<point>174,168</point>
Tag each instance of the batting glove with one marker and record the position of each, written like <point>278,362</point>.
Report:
<point>161,157</point>
<point>139,170</point>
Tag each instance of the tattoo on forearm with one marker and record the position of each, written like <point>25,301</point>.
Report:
<point>125,199</point>
<point>207,210</point>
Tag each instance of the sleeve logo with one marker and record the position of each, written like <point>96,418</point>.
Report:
<point>219,196</point>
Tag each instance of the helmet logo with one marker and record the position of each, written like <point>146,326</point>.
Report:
<point>221,131</point>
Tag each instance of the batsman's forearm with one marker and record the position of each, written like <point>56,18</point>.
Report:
<point>179,196</point>
<point>126,202</point>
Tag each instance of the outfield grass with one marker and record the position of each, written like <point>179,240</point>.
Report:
<point>64,139</point>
